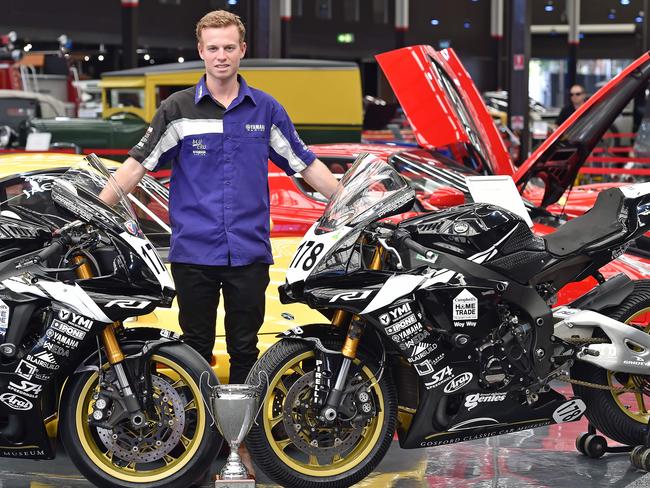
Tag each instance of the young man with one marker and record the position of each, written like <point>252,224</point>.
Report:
<point>219,136</point>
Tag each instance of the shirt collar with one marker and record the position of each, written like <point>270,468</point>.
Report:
<point>244,90</point>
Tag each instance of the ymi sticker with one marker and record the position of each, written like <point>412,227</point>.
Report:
<point>465,306</point>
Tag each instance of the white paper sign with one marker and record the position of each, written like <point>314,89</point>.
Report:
<point>498,190</point>
<point>38,141</point>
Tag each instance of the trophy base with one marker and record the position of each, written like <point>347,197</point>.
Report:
<point>243,483</point>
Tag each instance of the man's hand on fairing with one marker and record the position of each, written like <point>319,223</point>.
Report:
<point>320,178</point>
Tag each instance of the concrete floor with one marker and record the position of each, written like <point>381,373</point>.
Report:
<point>539,458</point>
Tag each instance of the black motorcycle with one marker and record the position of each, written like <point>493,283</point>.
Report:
<point>128,404</point>
<point>442,327</point>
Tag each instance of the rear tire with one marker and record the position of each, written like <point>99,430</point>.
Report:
<point>284,362</point>
<point>606,410</point>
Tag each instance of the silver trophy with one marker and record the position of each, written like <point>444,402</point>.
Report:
<point>235,409</point>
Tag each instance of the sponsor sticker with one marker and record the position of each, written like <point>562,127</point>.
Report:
<point>68,330</point>
<point>76,319</point>
<point>420,351</point>
<point>43,359</point>
<point>465,306</point>
<point>56,349</point>
<point>413,341</point>
<point>458,382</point>
<point>60,338</point>
<point>407,333</point>
<point>25,370</point>
<point>16,402</point>
<point>467,323</point>
<point>4,316</point>
<point>402,324</point>
<point>474,399</point>
<point>26,388</point>
<point>439,378</point>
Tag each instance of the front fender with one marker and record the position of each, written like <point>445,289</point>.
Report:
<point>129,339</point>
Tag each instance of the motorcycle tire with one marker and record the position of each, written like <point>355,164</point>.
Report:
<point>285,363</point>
<point>609,412</point>
<point>188,445</point>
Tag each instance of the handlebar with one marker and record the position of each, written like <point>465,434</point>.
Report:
<point>402,237</point>
<point>56,246</point>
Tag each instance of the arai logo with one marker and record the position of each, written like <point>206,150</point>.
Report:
<point>457,382</point>
<point>15,401</point>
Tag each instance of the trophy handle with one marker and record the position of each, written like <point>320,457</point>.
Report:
<point>259,390</point>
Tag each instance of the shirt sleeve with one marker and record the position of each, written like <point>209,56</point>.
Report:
<point>287,150</point>
<point>160,144</point>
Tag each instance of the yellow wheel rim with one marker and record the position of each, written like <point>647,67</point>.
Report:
<point>361,450</point>
<point>633,404</point>
<point>172,462</point>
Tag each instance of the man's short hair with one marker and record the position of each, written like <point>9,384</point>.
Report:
<point>220,18</point>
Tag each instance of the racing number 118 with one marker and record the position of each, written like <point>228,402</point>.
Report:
<point>304,251</point>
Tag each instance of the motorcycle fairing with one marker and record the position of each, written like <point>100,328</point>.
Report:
<point>487,419</point>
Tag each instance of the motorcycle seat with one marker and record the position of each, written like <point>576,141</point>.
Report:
<point>598,227</point>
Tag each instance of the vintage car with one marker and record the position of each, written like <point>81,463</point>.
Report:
<point>25,179</point>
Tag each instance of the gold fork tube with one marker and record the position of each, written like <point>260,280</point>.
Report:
<point>112,347</point>
<point>355,330</point>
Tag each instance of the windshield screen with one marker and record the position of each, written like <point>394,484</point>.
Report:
<point>85,190</point>
<point>371,187</point>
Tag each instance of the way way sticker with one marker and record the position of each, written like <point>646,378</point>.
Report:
<point>465,306</point>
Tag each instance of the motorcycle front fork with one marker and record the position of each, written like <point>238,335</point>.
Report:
<point>349,350</point>
<point>115,355</point>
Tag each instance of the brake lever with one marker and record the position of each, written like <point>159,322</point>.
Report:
<point>60,270</point>
<point>392,250</point>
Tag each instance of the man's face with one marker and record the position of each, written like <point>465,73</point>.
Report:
<point>578,95</point>
<point>221,51</point>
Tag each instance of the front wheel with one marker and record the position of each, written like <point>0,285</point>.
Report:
<point>293,446</point>
<point>174,449</point>
<point>620,415</point>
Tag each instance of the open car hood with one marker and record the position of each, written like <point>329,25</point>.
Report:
<point>444,108</point>
<point>559,158</point>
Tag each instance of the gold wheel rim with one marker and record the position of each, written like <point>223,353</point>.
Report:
<point>361,450</point>
<point>103,459</point>
<point>632,403</point>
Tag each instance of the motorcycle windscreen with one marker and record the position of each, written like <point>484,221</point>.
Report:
<point>442,104</point>
<point>558,160</point>
<point>370,190</point>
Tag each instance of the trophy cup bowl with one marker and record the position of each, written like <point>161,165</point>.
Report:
<point>235,409</point>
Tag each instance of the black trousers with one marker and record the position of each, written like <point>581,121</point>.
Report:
<point>243,288</point>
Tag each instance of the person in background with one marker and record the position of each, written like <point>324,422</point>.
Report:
<point>577,97</point>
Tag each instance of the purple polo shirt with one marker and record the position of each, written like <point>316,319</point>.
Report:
<point>219,195</point>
